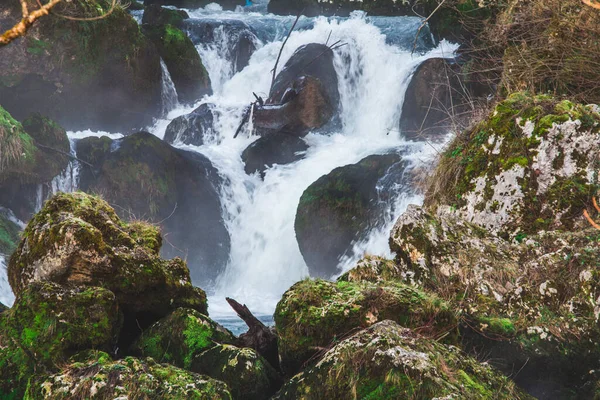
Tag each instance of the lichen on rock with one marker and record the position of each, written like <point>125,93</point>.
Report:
<point>313,314</point>
<point>387,361</point>
<point>94,375</point>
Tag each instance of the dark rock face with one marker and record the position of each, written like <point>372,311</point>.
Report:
<point>433,98</point>
<point>274,148</point>
<point>149,179</point>
<point>193,127</point>
<point>241,39</point>
<point>157,15</point>
<point>183,61</point>
<point>191,4</point>
<point>339,209</point>
<point>104,77</point>
<point>304,96</point>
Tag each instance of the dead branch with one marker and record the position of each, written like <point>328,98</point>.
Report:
<point>590,220</point>
<point>591,3</point>
<point>281,49</point>
<point>423,25</point>
<point>21,28</point>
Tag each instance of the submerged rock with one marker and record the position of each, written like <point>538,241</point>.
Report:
<point>235,39</point>
<point>47,324</point>
<point>104,77</point>
<point>147,178</point>
<point>94,375</point>
<point>247,374</point>
<point>530,166</point>
<point>78,239</point>
<point>272,149</point>
<point>157,15</point>
<point>314,313</point>
<point>180,337</point>
<point>389,361</point>
<point>183,61</point>
<point>192,128</point>
<point>339,209</point>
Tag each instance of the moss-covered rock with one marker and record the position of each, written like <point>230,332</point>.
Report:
<point>531,304</point>
<point>339,209</point>
<point>102,74</point>
<point>313,314</point>
<point>157,15</point>
<point>531,165</point>
<point>47,324</point>
<point>387,361</point>
<point>9,234</point>
<point>181,336</point>
<point>53,145</point>
<point>3,308</point>
<point>183,61</point>
<point>373,269</point>
<point>78,239</point>
<point>247,374</point>
<point>18,151</point>
<point>147,178</point>
<point>94,375</point>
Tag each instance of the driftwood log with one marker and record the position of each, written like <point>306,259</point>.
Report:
<point>259,336</point>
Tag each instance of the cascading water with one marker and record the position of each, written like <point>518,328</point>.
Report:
<point>374,69</point>
<point>6,295</point>
<point>169,97</point>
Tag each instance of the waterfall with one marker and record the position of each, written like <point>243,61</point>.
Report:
<point>168,92</point>
<point>6,295</point>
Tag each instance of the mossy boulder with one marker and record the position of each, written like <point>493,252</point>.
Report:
<point>313,314</point>
<point>33,153</point>
<point>180,337</point>
<point>149,179</point>
<point>100,75</point>
<point>183,61</point>
<point>47,324</point>
<point>157,15</point>
<point>373,269</point>
<point>387,361</point>
<point>530,166</point>
<point>9,234</point>
<point>247,374</point>
<point>79,239</point>
<point>94,375</point>
<point>339,209</point>
<point>530,304</point>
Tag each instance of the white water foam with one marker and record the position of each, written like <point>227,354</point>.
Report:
<point>6,295</point>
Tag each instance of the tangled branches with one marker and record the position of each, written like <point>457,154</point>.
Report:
<point>587,215</point>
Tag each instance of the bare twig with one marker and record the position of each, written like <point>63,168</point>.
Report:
<point>590,220</point>
<point>21,28</point>
<point>281,49</point>
<point>591,3</point>
<point>423,25</point>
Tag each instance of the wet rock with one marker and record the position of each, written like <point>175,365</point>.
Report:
<point>183,61</point>
<point>339,209</point>
<point>180,337</point>
<point>235,39</point>
<point>389,361</point>
<point>529,166</point>
<point>192,4</point>
<point>106,77</point>
<point>192,128</point>
<point>147,178</point>
<point>272,149</point>
<point>157,15</point>
<point>96,375</point>
<point>247,374</point>
<point>78,239</point>
<point>314,313</point>
<point>435,101</point>
<point>518,304</point>
<point>304,96</point>
<point>47,324</point>
<point>3,308</point>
